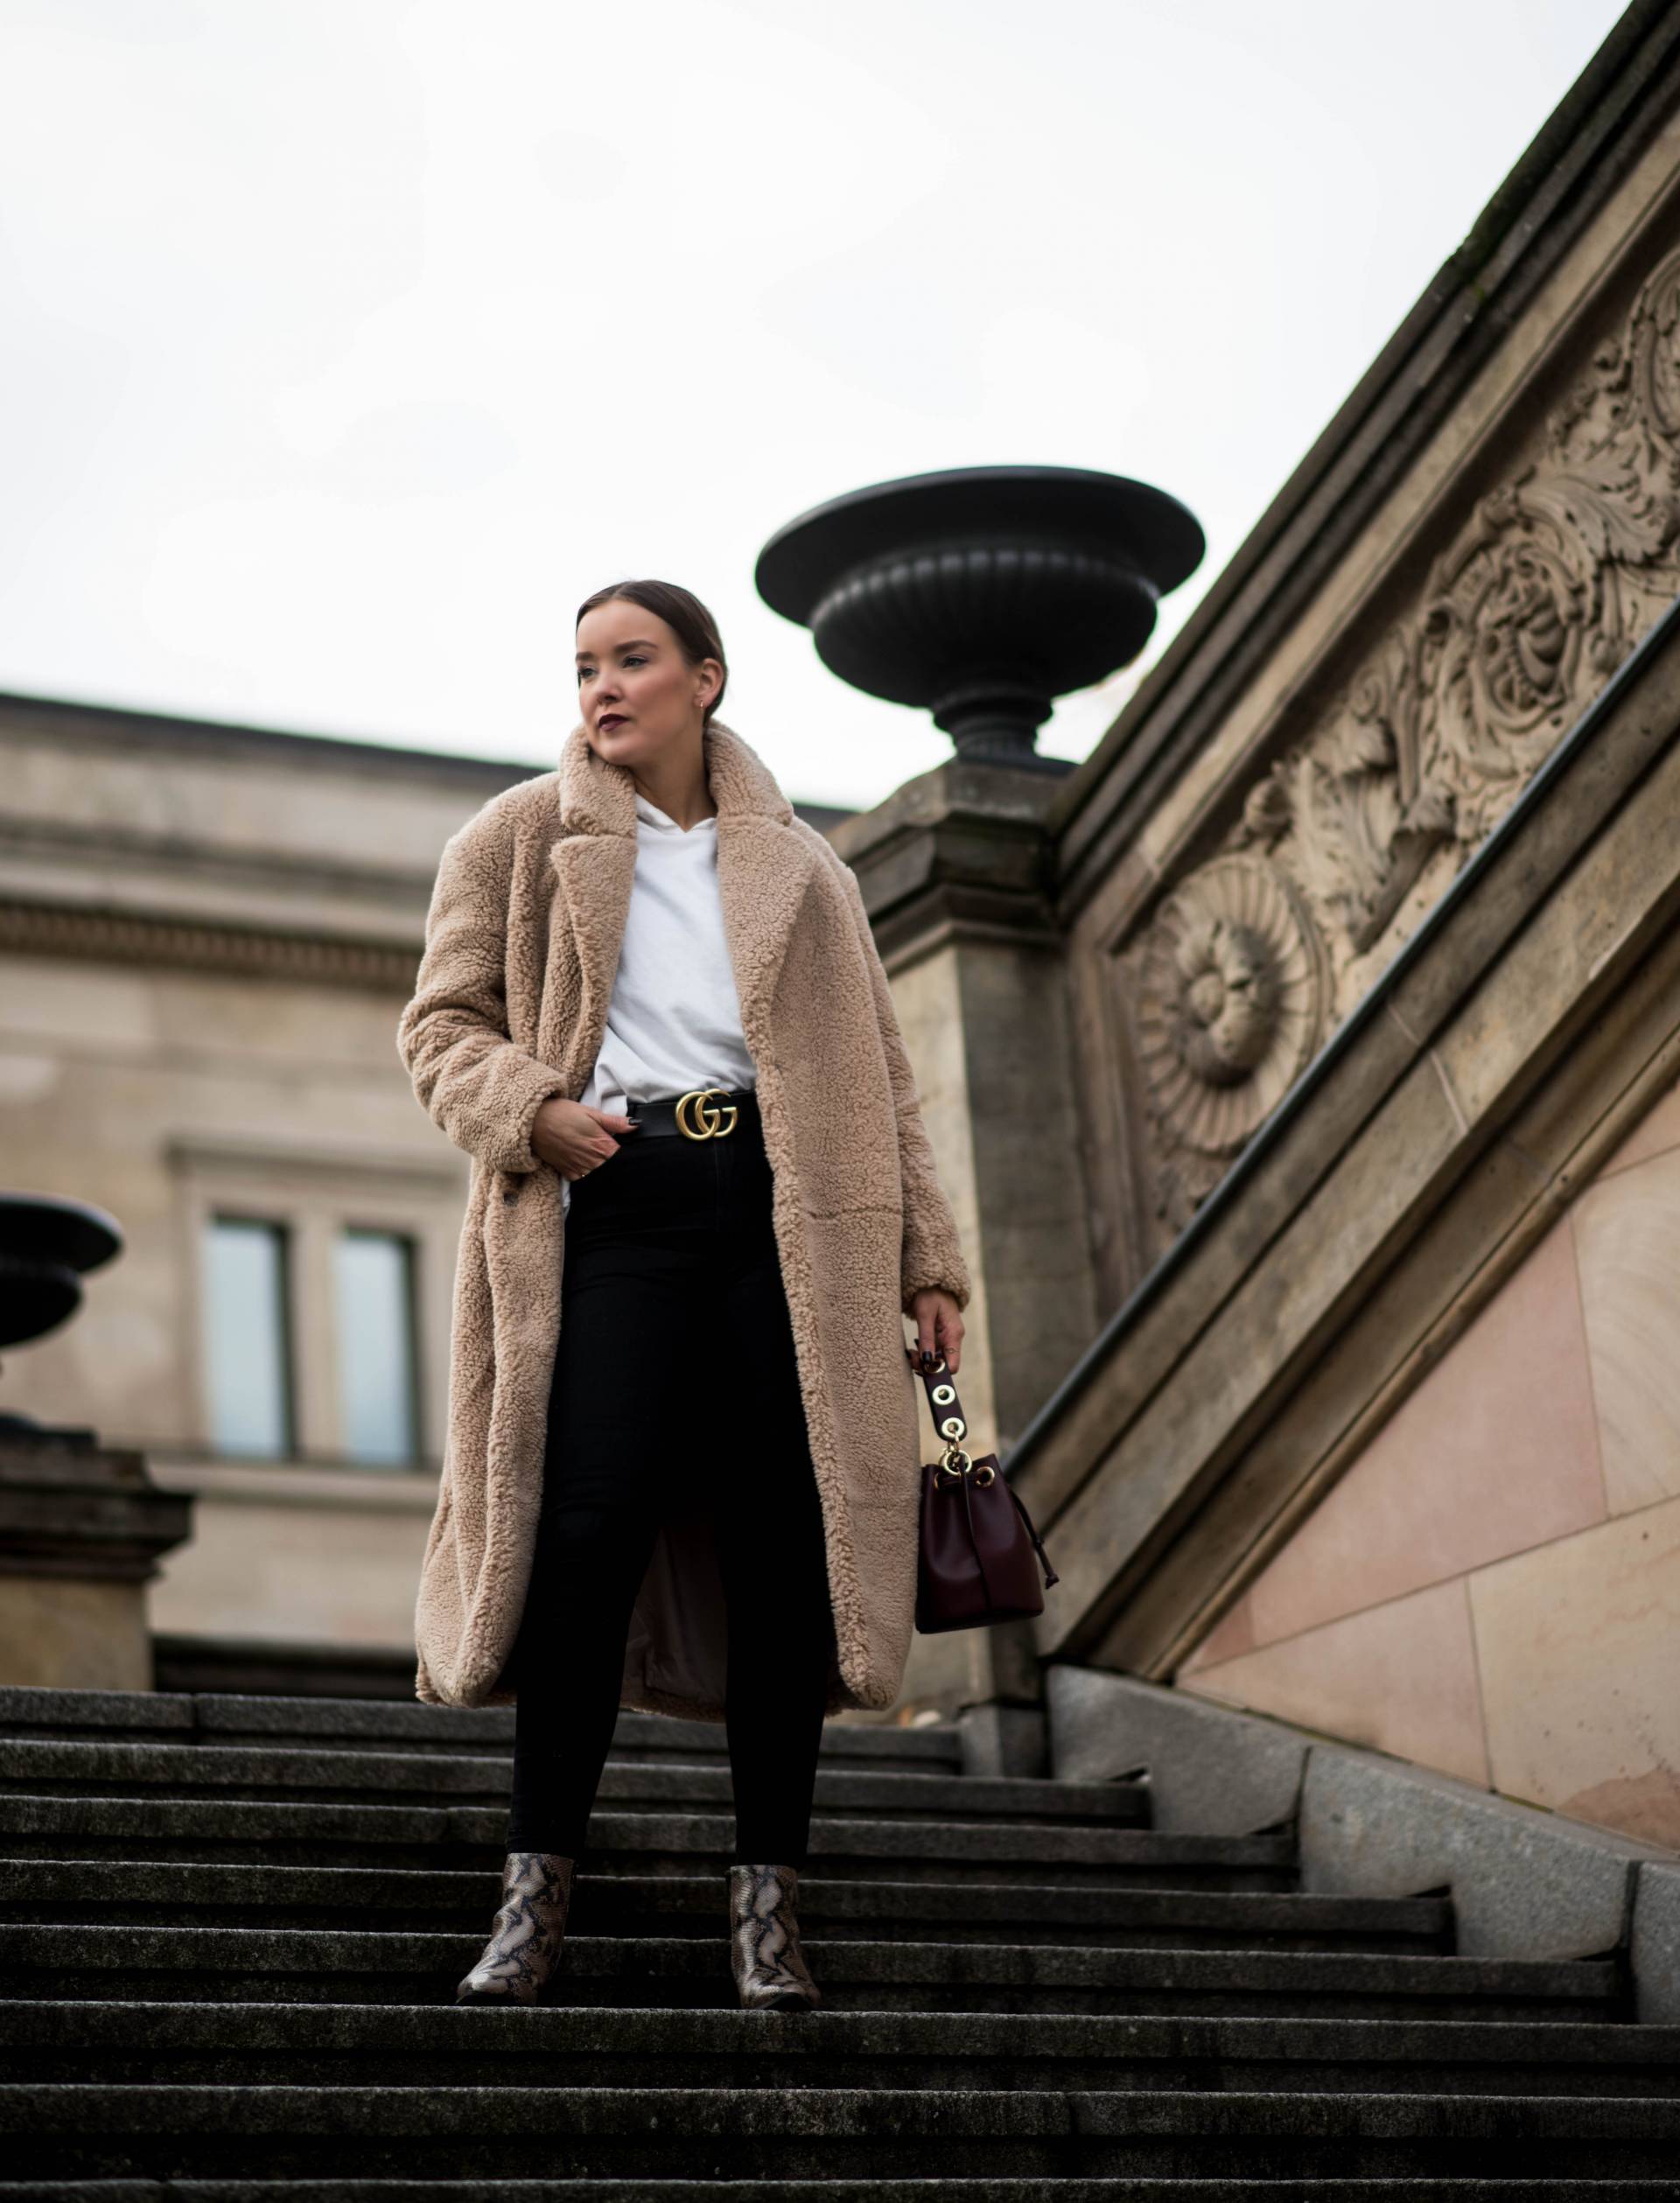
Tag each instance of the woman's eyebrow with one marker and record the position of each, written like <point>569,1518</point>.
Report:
<point>636,642</point>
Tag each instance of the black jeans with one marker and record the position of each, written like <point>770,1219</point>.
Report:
<point>676,1362</point>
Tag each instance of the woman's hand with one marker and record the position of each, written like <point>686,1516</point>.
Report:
<point>938,1326</point>
<point>573,1137</point>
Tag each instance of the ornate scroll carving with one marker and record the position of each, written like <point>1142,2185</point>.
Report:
<point>1521,621</point>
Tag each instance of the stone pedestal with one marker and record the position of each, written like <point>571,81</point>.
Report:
<point>81,1530</point>
<point>952,869</point>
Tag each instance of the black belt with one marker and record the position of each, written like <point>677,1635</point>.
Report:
<point>704,1113</point>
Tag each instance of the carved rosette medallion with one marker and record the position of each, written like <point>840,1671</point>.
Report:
<point>1231,994</point>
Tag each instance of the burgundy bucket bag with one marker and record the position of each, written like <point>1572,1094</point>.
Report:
<point>980,1555</point>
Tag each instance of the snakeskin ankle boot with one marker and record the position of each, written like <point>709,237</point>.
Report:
<point>770,1970</point>
<point>525,1936</point>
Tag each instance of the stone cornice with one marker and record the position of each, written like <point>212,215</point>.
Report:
<point>961,850</point>
<point>69,1507</point>
<point>69,848</point>
<point>106,726</point>
<point>334,1487</point>
<point>89,935</point>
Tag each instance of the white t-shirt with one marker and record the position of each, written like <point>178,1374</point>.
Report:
<point>674,1022</point>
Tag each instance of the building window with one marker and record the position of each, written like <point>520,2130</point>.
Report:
<point>249,1337</point>
<point>376,1345</point>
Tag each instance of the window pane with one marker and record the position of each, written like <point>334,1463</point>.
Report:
<point>376,1345</point>
<point>245,1275</point>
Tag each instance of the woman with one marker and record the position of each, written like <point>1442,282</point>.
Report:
<point>681,1468</point>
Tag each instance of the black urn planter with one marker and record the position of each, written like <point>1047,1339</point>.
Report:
<point>984,593</point>
<point>46,1244</point>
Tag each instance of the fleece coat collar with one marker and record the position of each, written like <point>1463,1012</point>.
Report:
<point>510,1002</point>
<point>765,864</point>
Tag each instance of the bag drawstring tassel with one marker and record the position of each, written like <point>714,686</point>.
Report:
<point>1050,1575</point>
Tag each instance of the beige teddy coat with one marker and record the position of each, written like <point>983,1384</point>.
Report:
<point>509,1008</point>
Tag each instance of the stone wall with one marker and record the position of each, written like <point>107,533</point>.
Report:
<point>1493,1588</point>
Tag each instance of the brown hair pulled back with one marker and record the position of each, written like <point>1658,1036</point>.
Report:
<point>684,613</point>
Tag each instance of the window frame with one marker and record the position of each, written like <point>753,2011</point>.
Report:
<point>281,1231</point>
<point>313,1196</point>
<point>350,1228</point>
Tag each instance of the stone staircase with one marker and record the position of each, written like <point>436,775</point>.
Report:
<point>231,1927</point>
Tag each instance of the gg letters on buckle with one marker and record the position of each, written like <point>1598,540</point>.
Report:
<point>699,1118</point>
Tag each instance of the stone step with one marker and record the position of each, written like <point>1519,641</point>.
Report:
<point>233,1928</point>
<point>347,1724</point>
<point>1079,2190</point>
<point>173,1894</point>
<point>340,1965</point>
<point>446,2046</point>
<point>171,2132</point>
<point>1124,2190</point>
<point>49,1767</point>
<point>275,1667</point>
<point>266,1832</point>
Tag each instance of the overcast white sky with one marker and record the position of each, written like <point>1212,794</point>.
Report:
<point>347,344</point>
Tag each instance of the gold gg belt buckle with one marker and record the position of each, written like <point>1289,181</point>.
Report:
<point>699,1118</point>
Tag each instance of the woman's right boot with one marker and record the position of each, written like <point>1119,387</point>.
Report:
<point>525,1939</point>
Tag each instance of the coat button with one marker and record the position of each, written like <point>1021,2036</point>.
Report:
<point>509,1199</point>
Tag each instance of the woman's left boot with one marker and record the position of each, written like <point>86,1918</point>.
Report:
<point>770,1970</point>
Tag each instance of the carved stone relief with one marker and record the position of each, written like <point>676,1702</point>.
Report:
<point>1556,574</point>
<point>1230,1001</point>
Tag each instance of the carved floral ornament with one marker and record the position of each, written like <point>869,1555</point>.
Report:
<point>1552,580</point>
<point>1230,1002</point>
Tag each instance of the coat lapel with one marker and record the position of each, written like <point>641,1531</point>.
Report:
<point>764,867</point>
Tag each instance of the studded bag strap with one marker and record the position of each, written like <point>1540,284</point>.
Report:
<point>951,1426</point>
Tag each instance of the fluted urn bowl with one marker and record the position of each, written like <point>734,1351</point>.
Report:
<point>984,593</point>
<point>47,1243</point>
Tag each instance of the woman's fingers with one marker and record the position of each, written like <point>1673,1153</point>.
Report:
<point>950,1335</point>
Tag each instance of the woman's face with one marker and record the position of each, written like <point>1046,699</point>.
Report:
<point>637,694</point>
